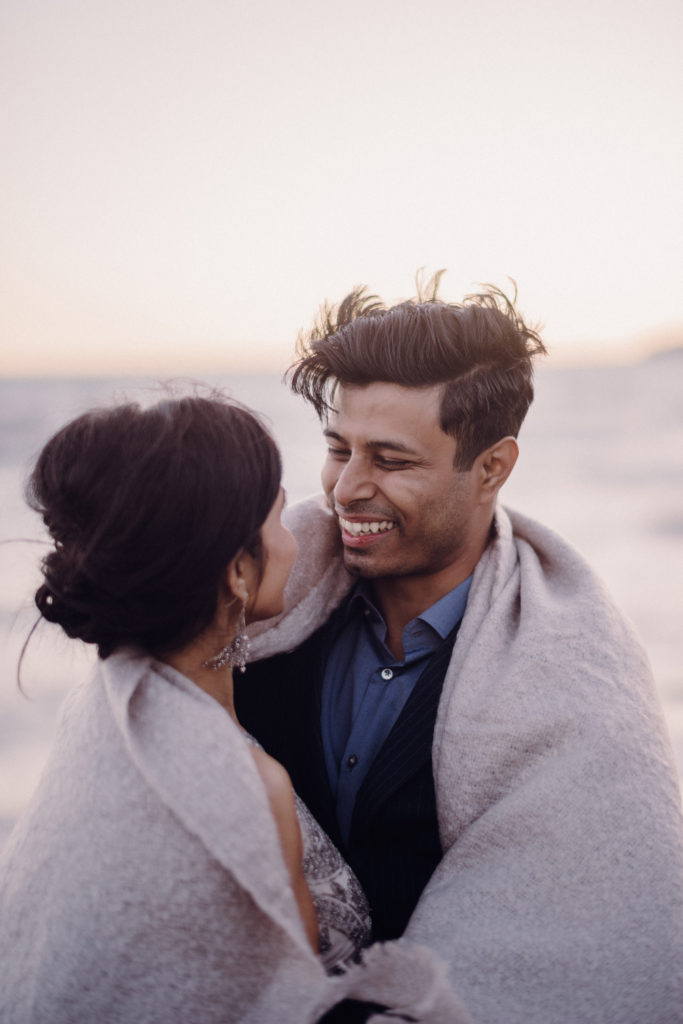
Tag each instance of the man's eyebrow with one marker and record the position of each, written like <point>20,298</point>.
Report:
<point>392,445</point>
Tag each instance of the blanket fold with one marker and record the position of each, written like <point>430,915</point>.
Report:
<point>154,708</point>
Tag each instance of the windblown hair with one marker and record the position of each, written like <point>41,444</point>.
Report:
<point>481,350</point>
<point>146,508</point>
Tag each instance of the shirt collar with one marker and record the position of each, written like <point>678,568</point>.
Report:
<point>445,613</point>
<point>442,616</point>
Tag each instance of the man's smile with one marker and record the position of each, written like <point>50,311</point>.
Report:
<point>359,528</point>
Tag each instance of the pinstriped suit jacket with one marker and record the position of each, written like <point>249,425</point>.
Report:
<point>394,841</point>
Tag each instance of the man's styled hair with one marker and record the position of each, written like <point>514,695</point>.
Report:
<point>481,350</point>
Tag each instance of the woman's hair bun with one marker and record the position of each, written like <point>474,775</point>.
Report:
<point>146,508</point>
<point>74,622</point>
<point>65,599</point>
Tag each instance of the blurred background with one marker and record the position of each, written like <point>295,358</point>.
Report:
<point>184,183</point>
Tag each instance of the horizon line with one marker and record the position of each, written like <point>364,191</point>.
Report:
<point>553,360</point>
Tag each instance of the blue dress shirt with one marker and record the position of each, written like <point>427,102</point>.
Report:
<point>365,688</point>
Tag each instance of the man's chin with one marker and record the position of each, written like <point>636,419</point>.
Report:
<point>357,563</point>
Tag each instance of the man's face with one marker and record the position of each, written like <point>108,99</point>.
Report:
<point>403,509</point>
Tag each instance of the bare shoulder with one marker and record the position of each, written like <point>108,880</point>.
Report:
<point>274,777</point>
<point>280,792</point>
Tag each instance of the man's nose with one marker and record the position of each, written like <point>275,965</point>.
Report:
<point>354,483</point>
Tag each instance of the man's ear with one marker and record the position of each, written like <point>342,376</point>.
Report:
<point>496,464</point>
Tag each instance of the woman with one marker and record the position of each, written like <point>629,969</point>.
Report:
<point>158,871</point>
<point>164,870</point>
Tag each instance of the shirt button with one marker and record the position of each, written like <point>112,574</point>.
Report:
<point>387,674</point>
<point>351,761</point>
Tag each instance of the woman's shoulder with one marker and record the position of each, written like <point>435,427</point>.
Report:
<point>274,777</point>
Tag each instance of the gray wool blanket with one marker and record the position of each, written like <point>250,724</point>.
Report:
<point>560,894</point>
<point>145,882</point>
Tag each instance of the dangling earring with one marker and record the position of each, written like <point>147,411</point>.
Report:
<point>235,653</point>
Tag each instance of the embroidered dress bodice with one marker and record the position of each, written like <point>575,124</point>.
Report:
<point>341,907</point>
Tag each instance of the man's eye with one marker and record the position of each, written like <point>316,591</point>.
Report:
<point>338,453</point>
<point>392,463</point>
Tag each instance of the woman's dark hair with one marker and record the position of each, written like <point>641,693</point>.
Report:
<point>481,350</point>
<point>146,508</point>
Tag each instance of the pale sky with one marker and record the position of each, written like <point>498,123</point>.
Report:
<point>183,183</point>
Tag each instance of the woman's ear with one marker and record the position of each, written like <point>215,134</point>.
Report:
<point>236,576</point>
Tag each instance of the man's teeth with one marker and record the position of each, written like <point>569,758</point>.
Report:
<point>374,527</point>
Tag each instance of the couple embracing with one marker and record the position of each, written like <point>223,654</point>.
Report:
<point>439,786</point>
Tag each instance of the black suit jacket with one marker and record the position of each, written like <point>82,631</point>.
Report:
<point>394,841</point>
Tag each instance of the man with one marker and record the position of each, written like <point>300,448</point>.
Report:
<point>453,693</point>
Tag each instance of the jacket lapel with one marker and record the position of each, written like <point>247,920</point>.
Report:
<point>322,800</point>
<point>307,767</point>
